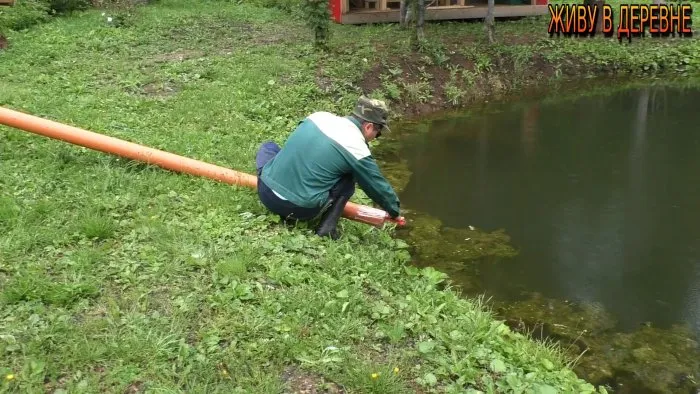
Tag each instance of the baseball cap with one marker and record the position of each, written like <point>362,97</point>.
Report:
<point>372,110</point>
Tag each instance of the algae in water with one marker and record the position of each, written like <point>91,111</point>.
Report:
<point>646,360</point>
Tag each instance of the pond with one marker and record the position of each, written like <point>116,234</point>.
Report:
<point>598,196</point>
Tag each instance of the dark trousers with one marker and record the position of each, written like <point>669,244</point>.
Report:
<point>345,187</point>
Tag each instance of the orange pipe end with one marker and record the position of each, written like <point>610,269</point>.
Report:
<point>169,161</point>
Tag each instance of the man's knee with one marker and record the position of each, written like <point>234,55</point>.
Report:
<point>349,189</point>
<point>267,151</point>
<point>345,187</point>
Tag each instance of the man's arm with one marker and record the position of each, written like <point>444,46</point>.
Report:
<point>375,185</point>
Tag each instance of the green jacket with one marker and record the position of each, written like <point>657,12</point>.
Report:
<point>323,148</point>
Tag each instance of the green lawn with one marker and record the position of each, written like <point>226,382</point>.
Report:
<point>116,276</point>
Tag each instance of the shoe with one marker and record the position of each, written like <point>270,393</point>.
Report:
<point>329,221</point>
<point>332,233</point>
<point>287,222</point>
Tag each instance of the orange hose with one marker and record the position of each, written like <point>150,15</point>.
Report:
<point>170,161</point>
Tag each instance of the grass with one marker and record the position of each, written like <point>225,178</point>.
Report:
<point>116,276</point>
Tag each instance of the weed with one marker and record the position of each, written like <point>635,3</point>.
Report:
<point>417,92</point>
<point>393,91</point>
<point>522,59</point>
<point>469,77</point>
<point>96,226</point>
<point>482,63</point>
<point>434,53</point>
<point>231,268</point>
<point>453,93</point>
<point>395,71</point>
<point>374,378</point>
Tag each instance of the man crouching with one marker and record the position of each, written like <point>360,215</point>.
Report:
<point>314,174</point>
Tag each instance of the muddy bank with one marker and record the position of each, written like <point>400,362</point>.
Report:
<point>419,84</point>
<point>462,70</point>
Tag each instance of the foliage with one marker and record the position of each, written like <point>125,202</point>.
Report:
<point>434,52</point>
<point>453,93</point>
<point>317,17</point>
<point>24,14</point>
<point>120,13</point>
<point>417,92</point>
<point>291,6</point>
<point>67,6</point>
<point>27,13</point>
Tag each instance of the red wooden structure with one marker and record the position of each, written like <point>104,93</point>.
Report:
<point>382,11</point>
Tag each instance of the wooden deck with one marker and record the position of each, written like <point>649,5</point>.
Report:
<point>444,13</point>
<point>387,11</point>
<point>7,2</point>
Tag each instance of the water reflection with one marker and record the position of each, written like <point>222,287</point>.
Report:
<point>692,305</point>
<point>599,195</point>
<point>529,129</point>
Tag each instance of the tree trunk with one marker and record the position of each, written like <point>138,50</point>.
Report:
<point>490,22</point>
<point>402,13</point>
<point>420,20</point>
<point>321,38</point>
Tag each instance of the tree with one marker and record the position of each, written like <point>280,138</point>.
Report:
<point>490,22</point>
<point>318,19</point>
<point>406,12</point>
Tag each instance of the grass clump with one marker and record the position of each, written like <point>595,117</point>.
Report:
<point>96,226</point>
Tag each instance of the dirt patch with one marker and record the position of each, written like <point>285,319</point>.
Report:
<point>422,85</point>
<point>298,381</point>
<point>324,82</point>
<point>372,80</point>
<point>209,27</point>
<point>270,37</point>
<point>440,77</point>
<point>226,35</point>
<point>3,42</point>
<point>253,36</point>
<point>459,59</point>
<point>177,56</point>
<point>54,386</point>
<point>59,385</point>
<point>159,89</point>
<point>133,388</point>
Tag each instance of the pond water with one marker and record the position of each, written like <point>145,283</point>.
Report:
<point>600,196</point>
